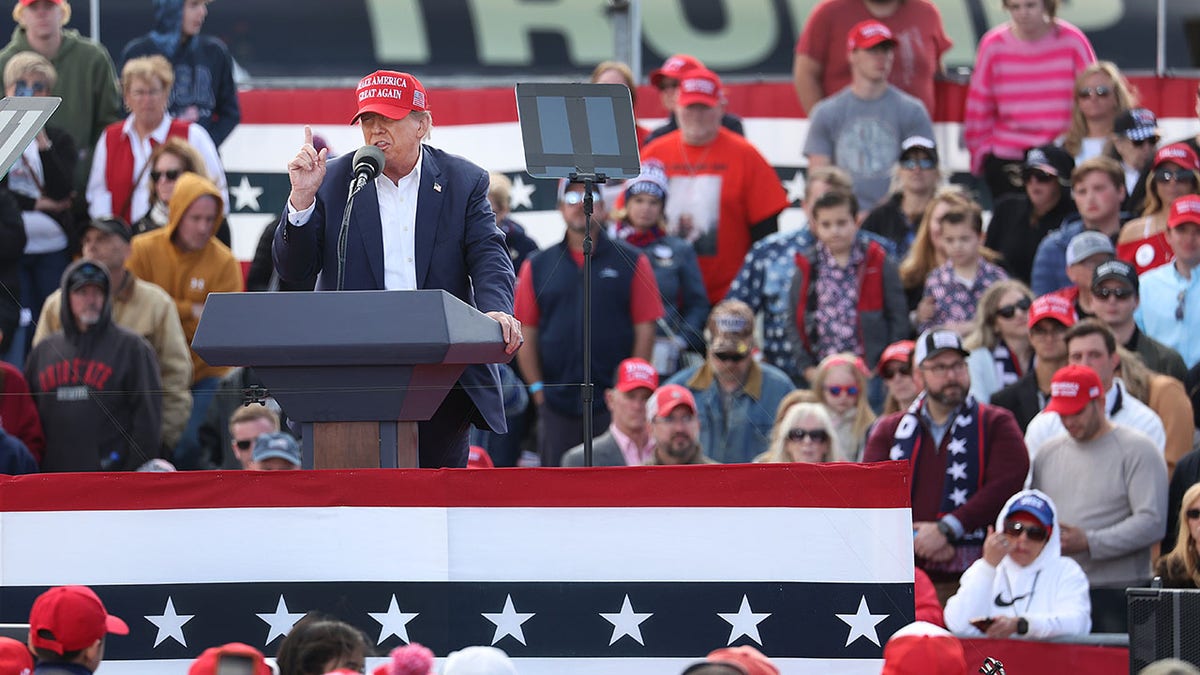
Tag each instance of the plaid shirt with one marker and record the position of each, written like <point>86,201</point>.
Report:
<point>955,301</point>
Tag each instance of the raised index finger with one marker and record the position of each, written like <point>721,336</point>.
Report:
<point>307,135</point>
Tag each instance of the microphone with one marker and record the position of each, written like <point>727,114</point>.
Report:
<point>368,162</point>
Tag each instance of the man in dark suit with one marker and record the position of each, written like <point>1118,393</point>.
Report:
<point>424,222</point>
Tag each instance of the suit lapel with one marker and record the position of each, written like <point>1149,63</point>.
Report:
<point>370,230</point>
<point>429,209</point>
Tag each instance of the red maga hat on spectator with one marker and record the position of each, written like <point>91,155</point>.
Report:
<point>70,618</point>
<point>897,351</point>
<point>1177,153</point>
<point>867,34</point>
<point>669,397</point>
<point>674,68</point>
<point>15,658</point>
<point>1072,388</point>
<point>636,373</point>
<point>700,86</point>
<point>921,648</point>
<point>749,659</point>
<point>209,662</point>
<point>26,3</point>
<point>1052,307</point>
<point>1186,209</point>
<point>390,93</point>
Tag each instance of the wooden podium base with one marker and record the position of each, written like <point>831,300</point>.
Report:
<point>364,445</point>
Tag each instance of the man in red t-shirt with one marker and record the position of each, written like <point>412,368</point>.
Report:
<point>724,194</point>
<point>821,67</point>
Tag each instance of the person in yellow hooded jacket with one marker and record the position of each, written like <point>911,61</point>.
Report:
<point>188,262</point>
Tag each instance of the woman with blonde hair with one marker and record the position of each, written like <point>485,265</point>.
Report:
<point>1101,93</point>
<point>805,434</point>
<point>999,339</point>
<point>841,387</point>
<point>168,161</point>
<point>1173,174</point>
<point>1181,567</point>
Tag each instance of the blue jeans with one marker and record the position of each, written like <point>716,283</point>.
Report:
<point>187,453</point>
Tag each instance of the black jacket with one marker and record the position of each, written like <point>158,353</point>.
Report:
<point>1014,235</point>
<point>1020,398</point>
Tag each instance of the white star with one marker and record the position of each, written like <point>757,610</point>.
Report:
<point>896,452</point>
<point>958,496</point>
<point>508,622</point>
<point>281,621</point>
<point>521,194</point>
<point>862,623</point>
<point>626,622</point>
<point>795,187</point>
<point>244,194</point>
<point>393,622</point>
<point>170,624</point>
<point>957,446</point>
<point>745,622</point>
<point>957,470</point>
<point>962,420</point>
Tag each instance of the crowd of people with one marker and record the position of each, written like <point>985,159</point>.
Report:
<point>1030,362</point>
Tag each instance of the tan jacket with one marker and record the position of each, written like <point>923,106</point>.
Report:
<point>1170,401</point>
<point>147,310</point>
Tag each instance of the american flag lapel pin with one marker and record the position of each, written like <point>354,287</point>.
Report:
<point>437,187</point>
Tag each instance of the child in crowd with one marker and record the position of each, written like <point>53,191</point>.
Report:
<point>846,294</point>
<point>841,388</point>
<point>957,285</point>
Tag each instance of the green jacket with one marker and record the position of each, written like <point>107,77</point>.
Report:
<point>87,84</point>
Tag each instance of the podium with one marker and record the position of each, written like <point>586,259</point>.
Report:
<point>357,369</point>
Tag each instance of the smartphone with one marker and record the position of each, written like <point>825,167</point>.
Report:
<point>235,664</point>
<point>982,624</point>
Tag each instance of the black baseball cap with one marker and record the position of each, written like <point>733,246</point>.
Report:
<point>1115,269</point>
<point>113,225</point>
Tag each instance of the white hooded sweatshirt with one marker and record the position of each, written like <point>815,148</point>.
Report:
<point>1051,593</point>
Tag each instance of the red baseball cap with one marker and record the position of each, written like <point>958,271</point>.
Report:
<point>749,659</point>
<point>667,398</point>
<point>674,68</point>
<point>1185,209</point>
<point>1178,153</point>
<point>73,617</point>
<point>26,3</point>
<point>1072,388</point>
<point>1052,307</point>
<point>390,93</point>
<point>897,351</point>
<point>636,373</point>
<point>701,86</point>
<point>867,34</point>
<point>921,648</point>
<point>208,663</point>
<point>15,658</point>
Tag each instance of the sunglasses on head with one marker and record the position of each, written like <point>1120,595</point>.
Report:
<point>817,435</point>
<point>1193,514</point>
<point>1089,92</point>
<point>1014,528</point>
<point>1118,293</point>
<point>1178,175</point>
<point>898,369</point>
<point>244,445</point>
<point>169,174</point>
<point>734,357</point>
<point>1038,176</point>
<point>836,390</point>
<point>922,163</point>
<point>1009,311</point>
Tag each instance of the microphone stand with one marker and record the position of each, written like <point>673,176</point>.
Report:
<point>588,180</point>
<point>356,185</point>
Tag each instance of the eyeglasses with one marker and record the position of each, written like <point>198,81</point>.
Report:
<point>944,369</point>
<point>1192,514</point>
<point>1169,176</point>
<point>1009,311</point>
<point>1014,528</point>
<point>817,435</point>
<point>24,88</point>
<point>169,174</point>
<point>244,444</point>
<point>836,390</point>
<point>1089,92</point>
<point>573,198</point>
<point>1047,328</point>
<point>731,357</point>
<point>1118,293</point>
<point>1153,140</point>
<point>900,369</point>
<point>923,163</point>
<point>1179,307</point>
<point>1038,176</point>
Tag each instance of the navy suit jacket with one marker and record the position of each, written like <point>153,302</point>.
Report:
<point>458,249</point>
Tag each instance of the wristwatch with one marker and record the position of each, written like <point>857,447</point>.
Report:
<point>946,530</point>
<point>1022,625</point>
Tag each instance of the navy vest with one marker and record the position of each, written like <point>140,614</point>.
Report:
<point>558,285</point>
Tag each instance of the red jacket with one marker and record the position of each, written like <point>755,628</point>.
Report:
<point>18,414</point>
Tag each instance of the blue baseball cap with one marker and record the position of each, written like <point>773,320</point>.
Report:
<point>276,444</point>
<point>1034,506</point>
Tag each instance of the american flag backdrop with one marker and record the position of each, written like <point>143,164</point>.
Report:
<point>630,570</point>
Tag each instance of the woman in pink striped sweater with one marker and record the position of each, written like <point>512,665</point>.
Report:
<point>1022,89</point>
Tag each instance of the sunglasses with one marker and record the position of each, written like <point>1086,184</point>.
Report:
<point>733,357</point>
<point>817,435</point>
<point>1099,92</point>
<point>1038,176</point>
<point>169,174</point>
<point>23,88</point>
<point>836,390</point>
<point>1118,293</point>
<point>573,198</point>
<point>1169,176</point>
<point>244,445</point>
<point>1009,311</point>
<point>901,369</point>
<point>1153,140</point>
<point>1014,528</point>
<point>923,163</point>
<point>1193,514</point>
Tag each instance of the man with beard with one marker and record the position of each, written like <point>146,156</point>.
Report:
<point>96,384</point>
<point>966,459</point>
<point>675,427</point>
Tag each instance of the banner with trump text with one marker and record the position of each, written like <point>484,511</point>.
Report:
<point>631,570</point>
